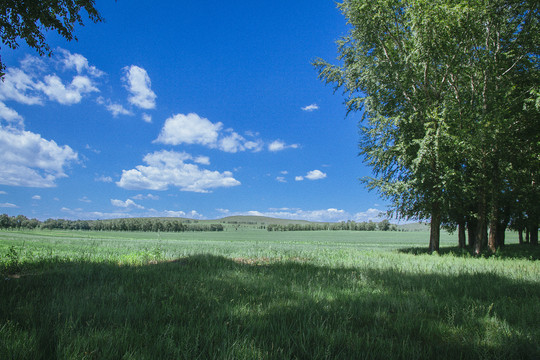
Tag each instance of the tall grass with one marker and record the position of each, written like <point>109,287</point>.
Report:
<point>259,295</point>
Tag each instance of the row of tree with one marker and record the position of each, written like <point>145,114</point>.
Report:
<point>135,224</point>
<point>348,225</point>
<point>449,91</point>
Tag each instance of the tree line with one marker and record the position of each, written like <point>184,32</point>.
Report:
<point>343,225</point>
<point>129,224</point>
<point>449,93</point>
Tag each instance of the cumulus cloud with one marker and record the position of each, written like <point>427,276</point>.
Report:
<point>369,214</point>
<point>281,179</point>
<point>31,161</point>
<point>20,87</point>
<point>298,178</point>
<point>189,129</point>
<point>126,204</point>
<point>279,145</point>
<point>79,63</point>
<point>138,83</point>
<point>66,95</point>
<point>25,85</point>
<point>310,108</point>
<point>194,129</point>
<point>169,168</point>
<point>315,175</point>
<point>36,197</point>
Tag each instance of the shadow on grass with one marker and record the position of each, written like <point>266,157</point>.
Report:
<point>511,251</point>
<point>214,307</point>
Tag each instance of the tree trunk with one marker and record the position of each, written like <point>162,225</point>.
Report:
<point>471,231</point>
<point>520,236</point>
<point>435,231</point>
<point>527,234</point>
<point>501,233</point>
<point>534,234</point>
<point>493,227</point>
<point>481,227</point>
<point>461,234</point>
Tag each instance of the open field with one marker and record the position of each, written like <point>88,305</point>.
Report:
<point>257,294</point>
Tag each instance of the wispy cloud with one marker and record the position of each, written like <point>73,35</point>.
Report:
<point>8,205</point>
<point>113,108</point>
<point>279,145</point>
<point>126,204</point>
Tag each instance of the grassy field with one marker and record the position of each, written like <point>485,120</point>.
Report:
<point>271,295</point>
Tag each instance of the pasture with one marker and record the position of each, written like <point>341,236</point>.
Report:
<point>254,294</point>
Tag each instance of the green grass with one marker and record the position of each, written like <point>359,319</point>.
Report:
<point>254,294</point>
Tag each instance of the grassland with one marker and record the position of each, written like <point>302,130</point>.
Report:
<point>255,294</point>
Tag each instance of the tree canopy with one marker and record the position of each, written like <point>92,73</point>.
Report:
<point>449,92</point>
<point>28,19</point>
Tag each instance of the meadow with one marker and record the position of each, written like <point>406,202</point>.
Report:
<point>253,294</point>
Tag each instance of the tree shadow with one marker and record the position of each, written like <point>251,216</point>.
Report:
<point>510,251</point>
<point>207,306</point>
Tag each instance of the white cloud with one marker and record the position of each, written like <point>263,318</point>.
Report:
<point>369,214</point>
<point>10,115</point>
<point>194,129</point>
<point>20,87</point>
<point>79,63</point>
<point>298,178</point>
<point>315,175</point>
<point>147,196</point>
<point>36,197</point>
<point>8,205</point>
<point>3,192</point>
<point>103,178</point>
<point>311,107</point>
<point>31,161</point>
<point>323,215</point>
<point>114,109</point>
<point>203,160</point>
<point>193,214</point>
<point>126,204</point>
<point>232,143</point>
<point>138,83</point>
<point>189,129</point>
<point>66,95</point>
<point>281,179</point>
<point>147,118</point>
<point>278,145</point>
<point>85,199</point>
<point>168,168</point>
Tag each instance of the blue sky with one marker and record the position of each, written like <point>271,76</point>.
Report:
<point>194,109</point>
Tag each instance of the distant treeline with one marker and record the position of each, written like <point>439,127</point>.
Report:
<point>348,225</point>
<point>136,224</point>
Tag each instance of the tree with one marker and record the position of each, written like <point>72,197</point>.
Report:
<point>441,85</point>
<point>28,19</point>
